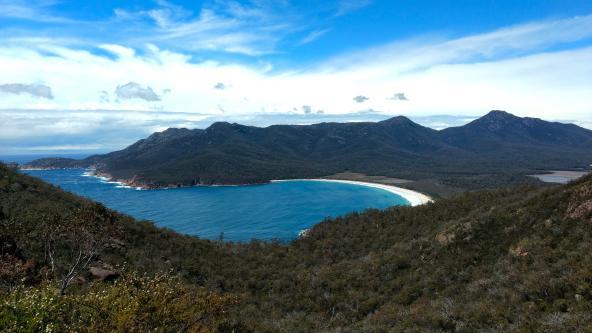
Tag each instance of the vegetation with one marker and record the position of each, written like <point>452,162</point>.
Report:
<point>473,156</point>
<point>131,304</point>
<point>508,260</point>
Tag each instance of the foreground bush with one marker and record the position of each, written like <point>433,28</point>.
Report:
<point>134,303</point>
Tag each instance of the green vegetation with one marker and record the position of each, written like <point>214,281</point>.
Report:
<point>474,156</point>
<point>130,304</point>
<point>509,260</point>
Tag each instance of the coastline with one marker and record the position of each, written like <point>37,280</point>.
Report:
<point>413,197</point>
<point>110,180</point>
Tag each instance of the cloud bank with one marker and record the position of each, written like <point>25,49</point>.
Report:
<point>530,70</point>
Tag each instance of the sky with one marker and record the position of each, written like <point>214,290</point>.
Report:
<point>95,76</point>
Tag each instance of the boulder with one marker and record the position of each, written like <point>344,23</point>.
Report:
<point>104,274</point>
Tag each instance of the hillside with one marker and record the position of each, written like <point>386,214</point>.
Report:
<point>235,154</point>
<point>507,260</point>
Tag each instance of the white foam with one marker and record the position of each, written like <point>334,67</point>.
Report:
<point>88,174</point>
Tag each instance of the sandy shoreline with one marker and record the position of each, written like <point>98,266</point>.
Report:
<point>414,198</point>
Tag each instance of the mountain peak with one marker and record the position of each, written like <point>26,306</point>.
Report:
<point>219,125</point>
<point>398,120</point>
<point>169,133</point>
<point>174,131</point>
<point>499,115</point>
<point>496,120</point>
<point>224,128</point>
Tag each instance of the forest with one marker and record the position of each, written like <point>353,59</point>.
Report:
<point>510,260</point>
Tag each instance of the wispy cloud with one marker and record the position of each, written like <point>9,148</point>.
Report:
<point>312,36</point>
<point>252,29</point>
<point>104,97</point>
<point>425,51</point>
<point>347,6</point>
<point>37,11</point>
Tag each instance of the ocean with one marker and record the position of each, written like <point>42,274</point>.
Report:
<point>236,213</point>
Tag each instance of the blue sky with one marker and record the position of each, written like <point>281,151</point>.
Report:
<point>97,75</point>
<point>287,32</point>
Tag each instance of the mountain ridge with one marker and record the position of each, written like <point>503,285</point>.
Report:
<point>230,153</point>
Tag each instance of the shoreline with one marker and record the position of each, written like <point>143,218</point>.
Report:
<point>413,197</point>
<point>107,179</point>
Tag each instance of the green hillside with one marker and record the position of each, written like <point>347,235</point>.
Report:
<point>508,260</point>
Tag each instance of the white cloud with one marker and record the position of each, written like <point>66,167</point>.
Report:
<point>459,76</point>
<point>252,29</point>
<point>118,50</point>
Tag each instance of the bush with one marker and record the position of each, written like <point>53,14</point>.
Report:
<point>134,303</point>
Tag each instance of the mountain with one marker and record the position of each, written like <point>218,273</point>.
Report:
<point>500,132</point>
<point>512,260</point>
<point>227,153</point>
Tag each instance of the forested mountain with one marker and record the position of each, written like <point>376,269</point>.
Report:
<point>513,260</point>
<point>227,153</point>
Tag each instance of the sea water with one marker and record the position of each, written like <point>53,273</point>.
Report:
<point>238,213</point>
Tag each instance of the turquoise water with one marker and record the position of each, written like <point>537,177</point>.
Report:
<point>271,211</point>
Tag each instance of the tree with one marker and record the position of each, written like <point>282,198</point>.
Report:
<point>79,238</point>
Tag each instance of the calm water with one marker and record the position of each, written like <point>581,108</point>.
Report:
<point>278,210</point>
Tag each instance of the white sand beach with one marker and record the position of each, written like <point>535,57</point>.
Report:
<point>414,198</point>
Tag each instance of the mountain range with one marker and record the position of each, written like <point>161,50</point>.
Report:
<point>230,153</point>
